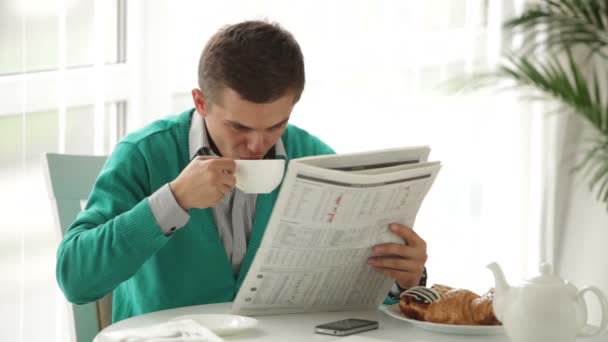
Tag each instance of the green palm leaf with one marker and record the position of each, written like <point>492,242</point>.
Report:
<point>562,82</point>
<point>565,82</point>
<point>552,30</point>
<point>563,24</point>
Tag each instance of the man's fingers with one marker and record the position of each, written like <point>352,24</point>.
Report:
<point>408,234</point>
<point>406,276</point>
<point>398,249</point>
<point>400,276</point>
<point>225,165</point>
<point>403,262</point>
<point>203,158</point>
<point>219,171</point>
<point>399,264</point>
<point>227,179</point>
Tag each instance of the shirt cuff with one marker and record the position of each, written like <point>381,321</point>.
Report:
<point>397,290</point>
<point>167,212</point>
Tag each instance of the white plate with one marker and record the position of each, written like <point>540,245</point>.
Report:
<point>221,324</point>
<point>393,311</point>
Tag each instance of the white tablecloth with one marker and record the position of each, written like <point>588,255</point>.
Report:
<point>300,327</point>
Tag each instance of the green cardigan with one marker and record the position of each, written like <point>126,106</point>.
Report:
<point>115,244</point>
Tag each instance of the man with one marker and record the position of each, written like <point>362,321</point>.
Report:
<point>165,227</point>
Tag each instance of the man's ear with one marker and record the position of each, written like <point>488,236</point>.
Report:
<point>199,101</point>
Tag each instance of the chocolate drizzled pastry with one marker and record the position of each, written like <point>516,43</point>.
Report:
<point>416,300</point>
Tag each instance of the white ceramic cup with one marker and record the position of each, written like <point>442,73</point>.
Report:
<point>259,176</point>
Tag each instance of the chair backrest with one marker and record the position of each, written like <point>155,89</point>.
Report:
<point>69,180</point>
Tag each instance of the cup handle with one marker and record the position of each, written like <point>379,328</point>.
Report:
<point>604,306</point>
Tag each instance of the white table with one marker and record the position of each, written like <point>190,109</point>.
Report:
<point>300,327</point>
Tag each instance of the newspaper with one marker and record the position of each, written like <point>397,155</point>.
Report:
<point>330,211</point>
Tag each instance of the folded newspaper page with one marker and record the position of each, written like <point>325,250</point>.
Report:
<point>329,213</point>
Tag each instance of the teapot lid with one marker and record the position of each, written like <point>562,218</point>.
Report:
<point>546,277</point>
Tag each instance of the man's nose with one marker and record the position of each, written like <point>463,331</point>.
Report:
<point>256,143</point>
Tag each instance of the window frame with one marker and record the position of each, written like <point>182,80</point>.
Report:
<point>95,85</point>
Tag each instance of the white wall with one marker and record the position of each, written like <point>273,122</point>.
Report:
<point>582,255</point>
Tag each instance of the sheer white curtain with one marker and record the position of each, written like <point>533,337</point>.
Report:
<point>577,218</point>
<point>64,84</point>
<point>376,75</point>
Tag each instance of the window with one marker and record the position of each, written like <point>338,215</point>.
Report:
<point>65,89</point>
<point>27,215</point>
<point>31,34</point>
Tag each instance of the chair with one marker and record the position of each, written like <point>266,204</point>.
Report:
<point>69,180</point>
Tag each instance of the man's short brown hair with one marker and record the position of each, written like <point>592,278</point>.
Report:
<point>259,60</point>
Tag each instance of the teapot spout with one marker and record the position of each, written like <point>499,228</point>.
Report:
<point>500,281</point>
<point>501,291</point>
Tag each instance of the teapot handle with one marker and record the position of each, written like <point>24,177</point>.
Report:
<point>604,306</point>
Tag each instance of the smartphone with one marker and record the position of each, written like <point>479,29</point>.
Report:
<point>346,327</point>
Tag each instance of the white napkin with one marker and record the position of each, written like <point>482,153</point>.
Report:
<point>175,331</point>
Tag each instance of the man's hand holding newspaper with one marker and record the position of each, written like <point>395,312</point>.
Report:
<point>403,262</point>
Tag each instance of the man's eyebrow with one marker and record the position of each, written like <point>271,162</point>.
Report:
<point>240,125</point>
<point>280,124</point>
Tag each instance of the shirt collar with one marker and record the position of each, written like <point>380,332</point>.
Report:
<point>198,137</point>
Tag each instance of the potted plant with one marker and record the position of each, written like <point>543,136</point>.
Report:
<point>563,56</point>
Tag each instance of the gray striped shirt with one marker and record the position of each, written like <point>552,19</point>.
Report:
<point>233,216</point>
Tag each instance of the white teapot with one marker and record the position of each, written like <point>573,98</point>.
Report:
<point>545,308</point>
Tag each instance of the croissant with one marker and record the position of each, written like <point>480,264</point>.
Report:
<point>412,308</point>
<point>460,306</point>
<point>442,289</point>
